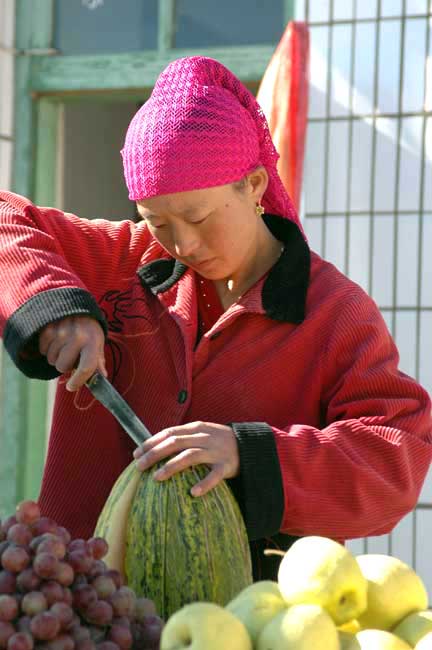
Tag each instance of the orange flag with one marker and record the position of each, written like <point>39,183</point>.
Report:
<point>283,95</point>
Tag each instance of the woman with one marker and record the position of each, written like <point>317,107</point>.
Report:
<point>236,345</point>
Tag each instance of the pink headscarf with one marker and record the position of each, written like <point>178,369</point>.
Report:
<point>201,127</point>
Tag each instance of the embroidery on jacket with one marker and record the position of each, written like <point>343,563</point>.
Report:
<point>119,307</point>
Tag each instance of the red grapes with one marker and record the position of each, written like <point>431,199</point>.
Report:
<point>57,593</point>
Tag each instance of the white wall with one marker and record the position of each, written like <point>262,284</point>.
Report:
<point>368,185</point>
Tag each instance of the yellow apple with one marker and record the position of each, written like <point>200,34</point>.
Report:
<point>204,626</point>
<point>300,627</point>
<point>394,591</point>
<point>256,605</point>
<point>352,627</point>
<point>347,631</point>
<point>319,571</point>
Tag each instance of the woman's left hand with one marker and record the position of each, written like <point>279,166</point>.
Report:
<point>195,443</point>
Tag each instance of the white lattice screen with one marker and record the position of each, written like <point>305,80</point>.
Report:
<point>368,184</point>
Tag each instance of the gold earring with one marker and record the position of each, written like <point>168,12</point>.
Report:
<point>259,210</point>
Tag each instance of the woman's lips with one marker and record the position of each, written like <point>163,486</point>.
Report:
<point>204,263</point>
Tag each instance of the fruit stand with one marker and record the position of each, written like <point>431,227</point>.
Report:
<point>60,593</point>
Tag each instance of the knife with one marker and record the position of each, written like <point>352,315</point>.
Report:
<point>107,395</point>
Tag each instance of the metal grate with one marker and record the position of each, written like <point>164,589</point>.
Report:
<point>368,184</point>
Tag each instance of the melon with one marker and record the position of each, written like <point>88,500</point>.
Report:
<point>172,547</point>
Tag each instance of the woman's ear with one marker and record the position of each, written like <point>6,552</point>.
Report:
<point>258,182</point>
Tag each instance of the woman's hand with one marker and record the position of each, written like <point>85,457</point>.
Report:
<point>191,444</point>
<point>75,343</point>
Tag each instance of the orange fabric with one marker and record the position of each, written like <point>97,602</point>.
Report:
<point>283,96</point>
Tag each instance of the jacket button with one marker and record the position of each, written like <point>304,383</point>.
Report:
<point>182,396</point>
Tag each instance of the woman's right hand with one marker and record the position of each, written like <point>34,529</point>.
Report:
<point>74,344</point>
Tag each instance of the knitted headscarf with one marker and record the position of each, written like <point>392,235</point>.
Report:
<point>201,127</point>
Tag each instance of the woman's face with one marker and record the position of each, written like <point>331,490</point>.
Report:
<point>214,230</point>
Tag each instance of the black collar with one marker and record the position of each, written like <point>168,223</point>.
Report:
<point>285,288</point>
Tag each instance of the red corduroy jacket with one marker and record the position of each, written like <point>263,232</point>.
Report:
<point>334,440</point>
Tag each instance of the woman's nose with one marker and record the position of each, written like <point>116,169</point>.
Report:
<point>185,242</point>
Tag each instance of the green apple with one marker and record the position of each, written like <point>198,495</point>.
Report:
<point>319,571</point>
<point>425,642</point>
<point>346,640</point>
<point>204,626</point>
<point>376,640</point>
<point>300,627</point>
<point>414,627</point>
<point>256,605</point>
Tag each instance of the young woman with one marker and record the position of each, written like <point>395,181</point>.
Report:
<point>238,346</point>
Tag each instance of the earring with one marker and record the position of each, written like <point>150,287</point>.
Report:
<point>259,210</point>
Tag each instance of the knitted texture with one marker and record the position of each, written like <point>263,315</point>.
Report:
<point>200,128</point>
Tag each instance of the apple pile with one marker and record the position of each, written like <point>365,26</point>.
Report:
<point>325,598</point>
<point>56,593</point>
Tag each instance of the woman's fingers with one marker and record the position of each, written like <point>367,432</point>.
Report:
<point>169,446</point>
<point>102,364</point>
<point>194,443</point>
<point>75,343</point>
<point>213,478</point>
<point>56,348</point>
<point>88,362</point>
<point>46,338</point>
<point>171,433</point>
<point>187,458</point>
<point>188,429</point>
<point>67,358</point>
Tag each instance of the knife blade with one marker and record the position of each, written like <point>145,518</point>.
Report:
<point>105,393</point>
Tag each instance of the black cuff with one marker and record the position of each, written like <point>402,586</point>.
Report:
<point>23,327</point>
<point>258,488</point>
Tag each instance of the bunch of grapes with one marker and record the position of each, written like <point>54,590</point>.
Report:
<point>57,593</point>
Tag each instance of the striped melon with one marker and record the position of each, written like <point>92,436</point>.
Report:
<point>172,547</point>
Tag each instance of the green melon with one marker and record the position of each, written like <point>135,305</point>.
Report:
<point>172,547</point>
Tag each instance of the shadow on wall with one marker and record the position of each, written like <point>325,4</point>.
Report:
<point>93,185</point>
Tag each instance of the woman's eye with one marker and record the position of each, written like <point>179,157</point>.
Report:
<point>200,221</point>
<point>151,224</point>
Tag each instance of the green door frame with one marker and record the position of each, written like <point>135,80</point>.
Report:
<point>23,401</point>
<point>44,81</point>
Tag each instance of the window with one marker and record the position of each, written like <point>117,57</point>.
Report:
<point>205,23</point>
<point>105,26</point>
